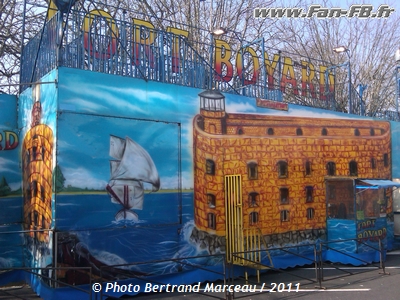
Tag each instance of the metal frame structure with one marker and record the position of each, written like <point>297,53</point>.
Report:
<point>62,43</point>
<point>116,47</point>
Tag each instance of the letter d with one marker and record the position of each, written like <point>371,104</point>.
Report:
<point>196,287</point>
<point>11,145</point>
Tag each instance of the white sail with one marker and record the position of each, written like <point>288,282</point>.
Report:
<point>128,193</point>
<point>132,166</point>
<point>114,164</point>
<point>117,147</point>
<point>136,164</point>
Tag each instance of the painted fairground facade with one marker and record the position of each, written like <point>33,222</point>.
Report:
<point>128,164</point>
<point>11,253</point>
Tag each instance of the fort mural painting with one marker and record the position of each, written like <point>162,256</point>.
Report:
<point>282,165</point>
<point>216,172</point>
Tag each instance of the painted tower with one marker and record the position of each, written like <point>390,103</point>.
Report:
<point>208,163</point>
<point>37,151</point>
<point>212,110</point>
<point>279,165</point>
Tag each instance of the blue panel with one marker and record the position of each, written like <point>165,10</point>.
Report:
<point>11,246</point>
<point>369,231</point>
<point>11,240</point>
<point>9,155</point>
<point>86,163</point>
<point>37,120</point>
<point>340,229</point>
<point>395,131</point>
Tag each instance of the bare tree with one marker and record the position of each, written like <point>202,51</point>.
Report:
<point>371,42</point>
<point>11,28</point>
<point>199,17</point>
<point>371,45</point>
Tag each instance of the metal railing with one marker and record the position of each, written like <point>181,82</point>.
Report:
<point>263,266</point>
<point>114,47</point>
<point>46,275</point>
<point>227,271</point>
<point>98,43</point>
<point>39,56</point>
<point>316,258</point>
<point>326,246</point>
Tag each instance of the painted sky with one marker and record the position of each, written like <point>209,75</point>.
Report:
<point>9,164</point>
<point>156,116</point>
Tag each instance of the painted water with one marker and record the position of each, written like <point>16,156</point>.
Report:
<point>161,233</point>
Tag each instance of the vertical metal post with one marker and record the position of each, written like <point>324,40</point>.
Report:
<point>316,262</point>
<point>161,60</point>
<point>334,90</point>
<point>59,36</point>
<point>380,254</point>
<point>350,100</point>
<point>381,259</point>
<point>397,93</point>
<point>210,84</point>
<point>355,209</point>
<point>55,245</point>
<point>243,72</point>
<point>264,70</point>
<point>320,269</point>
<point>327,91</point>
<point>361,89</point>
<point>229,295</point>
<point>22,45</point>
<point>280,98</point>
<point>123,44</point>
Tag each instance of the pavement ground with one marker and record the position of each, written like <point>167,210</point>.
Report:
<point>353,283</point>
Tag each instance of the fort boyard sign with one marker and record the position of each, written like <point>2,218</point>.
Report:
<point>302,78</point>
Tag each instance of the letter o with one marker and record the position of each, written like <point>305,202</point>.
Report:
<point>136,288</point>
<point>87,24</point>
<point>256,65</point>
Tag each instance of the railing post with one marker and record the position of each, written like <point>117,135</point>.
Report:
<point>316,262</point>
<point>55,245</point>
<point>381,264</point>
<point>381,259</point>
<point>320,268</point>
<point>59,37</point>
<point>124,63</point>
<point>229,266</point>
<point>211,60</point>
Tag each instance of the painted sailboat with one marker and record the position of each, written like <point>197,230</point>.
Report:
<point>132,166</point>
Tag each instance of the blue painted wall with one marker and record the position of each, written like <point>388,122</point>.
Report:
<point>11,239</point>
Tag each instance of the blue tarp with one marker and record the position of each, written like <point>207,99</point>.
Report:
<point>379,183</point>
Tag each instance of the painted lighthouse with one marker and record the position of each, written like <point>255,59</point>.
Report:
<point>37,152</point>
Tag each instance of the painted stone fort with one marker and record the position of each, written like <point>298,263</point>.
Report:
<point>279,166</point>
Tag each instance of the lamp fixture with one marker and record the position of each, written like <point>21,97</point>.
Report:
<point>219,31</point>
<point>340,49</point>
